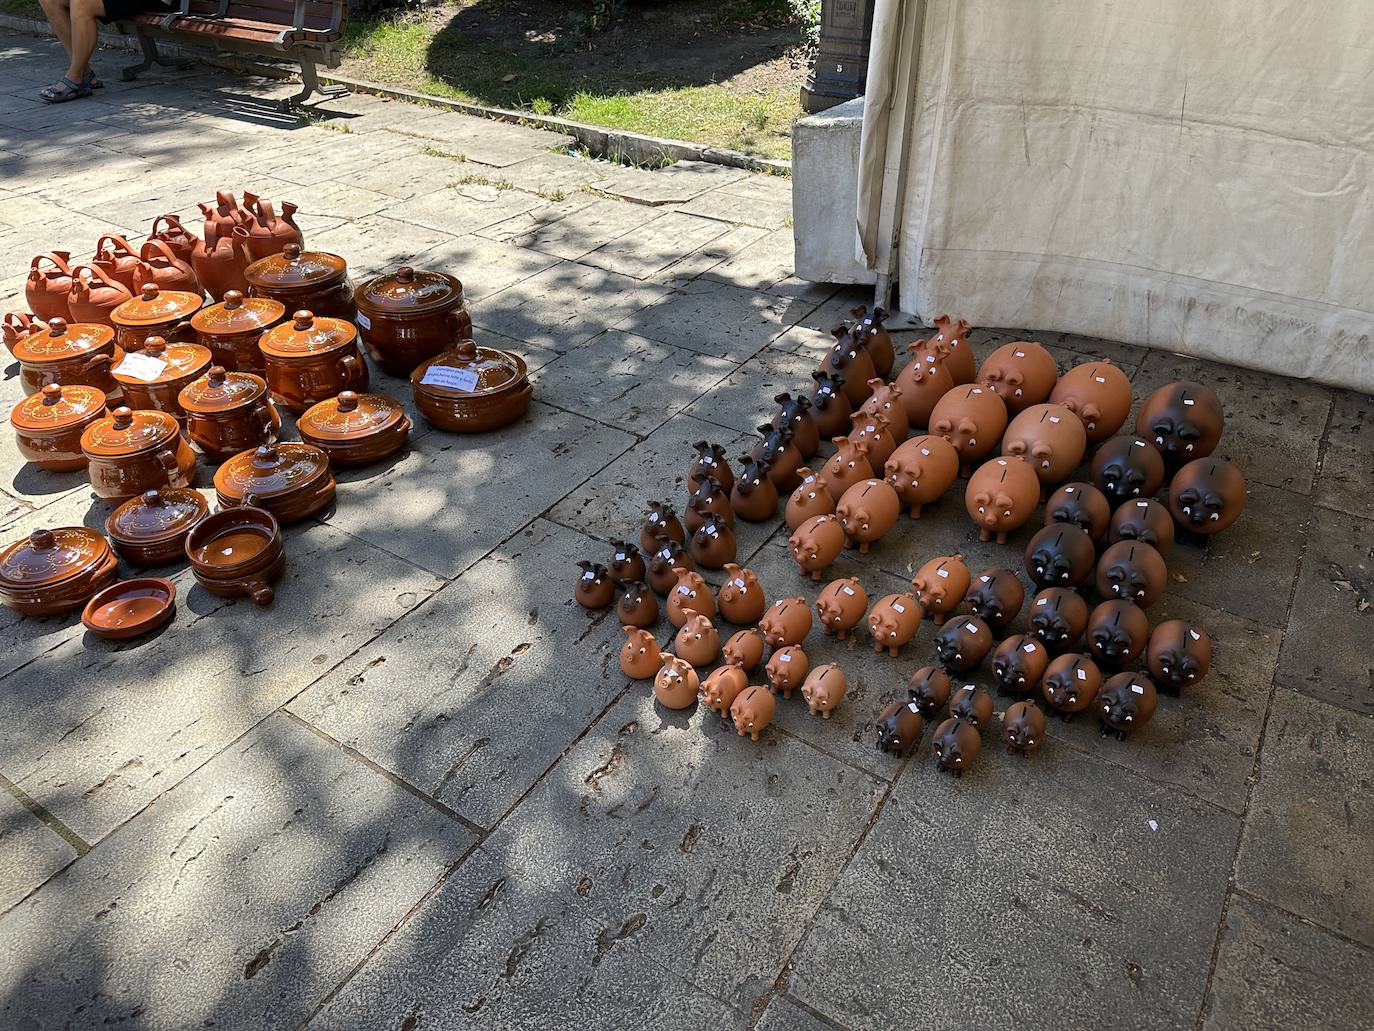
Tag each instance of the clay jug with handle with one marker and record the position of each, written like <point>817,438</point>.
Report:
<point>224,212</point>
<point>269,232</point>
<point>169,230</point>
<point>116,257</point>
<point>219,261</point>
<point>46,289</point>
<point>161,265</point>
<point>94,295</point>
<point>16,325</point>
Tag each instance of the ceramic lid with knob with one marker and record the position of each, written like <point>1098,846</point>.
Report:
<point>238,314</point>
<point>161,362</point>
<point>307,334</point>
<point>221,391</point>
<point>127,432</point>
<point>55,407</point>
<point>157,515</point>
<point>409,292</point>
<point>154,306</point>
<point>61,341</point>
<point>48,557</point>
<point>294,267</point>
<point>350,417</point>
<point>271,471</point>
<point>470,371</point>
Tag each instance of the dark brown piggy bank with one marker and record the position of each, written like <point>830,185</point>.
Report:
<point>1126,703</point>
<point>921,470</point>
<point>1127,467</point>
<point>1001,496</point>
<point>741,598</point>
<point>1081,504</point>
<point>661,523</point>
<point>744,649</point>
<point>779,451</point>
<point>955,745</point>
<point>1179,655</point>
<point>1207,496</point>
<point>929,688</point>
<point>1099,394</point>
<point>973,419</point>
<point>899,727</point>
<point>1019,664</point>
<point>669,556</point>
<point>626,564</point>
<point>923,382</point>
<point>841,606</point>
<point>1059,555</point>
<point>710,498</point>
<point>710,461</point>
<point>995,596</point>
<point>824,689</point>
<point>713,545</point>
<point>886,403</point>
<point>794,415</point>
<point>753,710</point>
<point>893,621</point>
<point>1057,617</point>
<point>963,643</point>
<point>867,511</point>
<point>972,705</point>
<point>787,668</point>
<point>1021,373</point>
<point>1144,520</point>
<point>869,330</point>
<point>1184,420</point>
<point>811,498</point>
<point>637,606</point>
<point>1117,633</point>
<point>816,544</point>
<point>1132,571</point>
<point>1050,438</point>
<point>755,496</point>
<point>787,621</point>
<point>1070,685</point>
<point>849,360</point>
<point>594,589</point>
<point>1023,728</point>
<point>847,466</point>
<point>830,407</point>
<point>940,586</point>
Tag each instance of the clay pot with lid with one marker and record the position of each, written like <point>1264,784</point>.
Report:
<point>409,316</point>
<point>355,429</point>
<point>304,279</point>
<point>154,377</point>
<point>237,553</point>
<point>48,425</point>
<point>154,313</point>
<point>311,359</point>
<point>95,294</point>
<point>131,452</point>
<point>161,265</point>
<point>232,328</point>
<point>472,389</point>
<point>72,354</point>
<point>151,529</point>
<point>228,412</point>
<point>53,571</point>
<point>46,288</point>
<point>290,480</point>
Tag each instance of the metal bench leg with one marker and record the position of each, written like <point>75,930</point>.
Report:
<point>151,57</point>
<point>311,81</point>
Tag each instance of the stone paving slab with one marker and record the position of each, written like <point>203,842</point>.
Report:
<point>744,400</point>
<point>1346,480</point>
<point>240,900</point>
<point>767,265</point>
<point>592,223</point>
<point>377,243</point>
<point>727,323</point>
<point>460,208</point>
<point>758,200</point>
<point>30,852</point>
<point>673,184</point>
<point>687,270</point>
<point>498,144</point>
<point>485,268</point>
<point>653,246</point>
<point>783,1014</point>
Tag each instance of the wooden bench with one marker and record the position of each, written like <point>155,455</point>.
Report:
<point>302,31</point>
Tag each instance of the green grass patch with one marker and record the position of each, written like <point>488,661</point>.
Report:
<point>22,8</point>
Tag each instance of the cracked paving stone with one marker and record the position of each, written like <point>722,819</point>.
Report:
<point>760,200</point>
<point>30,852</point>
<point>1346,479</point>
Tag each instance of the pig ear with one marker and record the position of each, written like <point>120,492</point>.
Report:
<point>764,466</point>
<point>1015,378</point>
<point>804,403</point>
<point>681,571</point>
<point>876,382</point>
<point>941,321</point>
<point>804,472</point>
<point>818,376</point>
<point>982,497</point>
<point>782,398</point>
<point>968,426</point>
<point>880,313</point>
<point>1091,411</point>
<point>1014,447</point>
<point>941,426</point>
<point>839,441</point>
<point>1041,450</point>
<point>1071,405</point>
<point>917,345</point>
<point>764,428</point>
<point>702,446</point>
<point>586,566</point>
<point>745,460</point>
<point>861,444</point>
<point>731,568</point>
<point>859,312</point>
<point>629,629</point>
<point>1002,501</point>
<point>895,390</point>
<point>964,326</point>
<point>860,514</point>
<point>840,332</point>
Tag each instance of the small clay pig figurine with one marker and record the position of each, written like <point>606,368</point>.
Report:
<point>755,496</point>
<point>963,643</point>
<point>886,403</point>
<point>1059,555</point>
<point>1050,438</point>
<point>1021,373</point>
<point>787,621</point>
<point>1058,617</point>
<point>1179,655</point>
<point>741,598</point>
<point>780,451</point>
<point>1132,571</point>
<point>923,382</point>
<point>794,415</point>
<point>1019,664</point>
<point>1184,420</point>
<point>787,669</point>
<point>1023,728</point>
<point>816,544</point>
<point>1001,496</point>
<point>1081,504</point>
<point>868,330</point>
<point>1117,633</point>
<point>710,461</point>
<point>669,556</point>
<point>971,704</point>
<point>637,606</point>
<point>830,407</point>
<point>744,649</point>
<point>952,337</point>
<point>1126,703</point>
<point>1127,467</point>
<point>847,466</point>
<point>1144,520</point>
<point>973,419</point>
<point>811,498</point>
<point>627,564</point>
<point>1071,683</point>
<point>940,586</point>
<point>1207,496</point>
<point>867,511</point>
<point>995,596</point>
<point>955,745</point>
<point>697,641</point>
<point>1099,394</point>
<point>893,621</point>
<point>594,587</point>
<point>841,607</point>
<point>899,727</point>
<point>690,595</point>
<point>876,435</point>
<point>824,689</point>
<point>722,687</point>
<point>639,655</point>
<point>752,711</point>
<point>661,523</point>
<point>929,688</point>
<point>921,470</point>
<point>849,360</point>
<point>676,684</point>
<point>710,498</point>
<point>713,545</point>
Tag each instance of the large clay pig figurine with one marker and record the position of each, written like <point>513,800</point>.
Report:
<point>639,655</point>
<point>972,705</point>
<point>940,586</point>
<point>594,588</point>
<point>1018,664</point>
<point>661,523</point>
<point>1132,571</point>
<point>1050,438</point>
<point>923,382</point>
<point>1207,496</point>
<point>893,621</point>
<point>996,596</point>
<point>741,598</point>
<point>1070,685</point>
<point>899,727</point>
<point>1144,520</point>
<point>787,669</point>
<point>627,564</point>
<point>1126,703</point>
<point>929,687</point>
<point>841,606</point>
<point>1059,555</point>
<point>955,745</point>
<point>1117,632</point>
<point>697,641</point>
<point>816,544</point>
<point>1179,655</point>
<point>869,331</point>
<point>710,461</point>
<point>1023,728</point>
<point>921,470</point>
<point>849,360</point>
<point>1184,420</point>
<point>963,643</point>
<point>713,545</point>
<point>952,337</point>
<point>811,498</point>
<point>787,621</point>
<point>752,711</point>
<point>867,511</point>
<point>722,687</point>
<point>664,562</point>
<point>1081,504</point>
<point>676,684</point>
<point>886,403</point>
<point>847,466</point>
<point>1001,497</point>
<point>1058,617</point>
<point>744,649</point>
<point>1021,373</point>
<point>691,595</point>
<point>876,435</point>
<point>824,689</point>
<point>755,496</point>
<point>794,414</point>
<point>1099,394</point>
<point>973,419</point>
<point>709,498</point>
<point>637,606</point>
<point>782,455</point>
<point>830,407</point>
<point>1127,467</point>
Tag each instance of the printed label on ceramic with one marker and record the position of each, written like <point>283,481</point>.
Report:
<point>1137,689</point>
<point>1081,674</point>
<point>848,590</point>
<point>453,379</point>
<point>141,367</point>
<point>364,321</point>
<point>784,657</point>
<point>1028,647</point>
<point>899,606</point>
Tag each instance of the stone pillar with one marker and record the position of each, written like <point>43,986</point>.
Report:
<point>842,61</point>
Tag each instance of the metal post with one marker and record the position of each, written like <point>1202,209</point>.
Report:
<point>842,60</point>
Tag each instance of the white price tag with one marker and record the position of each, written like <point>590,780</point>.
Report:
<point>364,321</point>
<point>453,379</point>
<point>1054,419</point>
<point>1081,674</point>
<point>1028,647</point>
<point>1100,379</point>
<point>1137,689</point>
<point>1194,635</point>
<point>942,573</point>
<point>784,657</point>
<point>925,451</point>
<point>1068,490</point>
<point>985,579</point>
<point>848,590</point>
<point>141,367</point>
<point>1020,354</point>
<point>971,627</point>
<point>1142,504</point>
<point>899,606</point>
<point>1188,401</point>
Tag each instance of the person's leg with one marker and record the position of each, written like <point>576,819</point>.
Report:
<point>75,23</point>
<point>61,21</point>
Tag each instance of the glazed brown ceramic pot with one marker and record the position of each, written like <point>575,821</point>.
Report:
<point>151,529</point>
<point>52,571</point>
<point>304,279</point>
<point>472,389</point>
<point>311,359</point>
<point>153,378</point>
<point>76,354</point>
<point>237,553</point>
<point>131,452</point>
<point>232,329</point>
<point>228,412</point>
<point>155,313</point>
<point>292,481</point>
<point>410,316</point>
<point>48,425</point>
<point>355,429</point>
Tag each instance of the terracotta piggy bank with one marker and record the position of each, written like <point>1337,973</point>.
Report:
<point>899,727</point>
<point>841,606</point>
<point>755,495</point>
<point>787,668</point>
<point>690,595</point>
<point>794,415</point>
<point>1071,683</point>
<point>1184,420</point>
<point>824,689</point>
<point>923,382</point>
<point>1127,467</point>
<point>1207,496</point>
<point>710,498</point>
<point>1050,438</point>
<point>1132,571</point>
<point>676,684</point>
<point>952,337</point>
<point>661,523</point>
<point>921,470</point>
<point>973,419</point>
<point>1179,655</point>
<point>780,452</point>
<point>868,329</point>
<point>955,745</point>
<point>639,655</point>
<point>744,649</point>
<point>594,589</point>
<point>830,407</point>
<point>1018,664</point>
<point>816,544</point>
<point>847,466</point>
<point>995,596</point>
<point>752,711</point>
<point>1099,394</point>
<point>893,621</point>
<point>713,545</point>
<point>787,621</point>
<point>697,641</point>
<point>1059,555</point>
<point>1126,703</point>
<point>940,586</point>
<point>1144,520</point>
<point>1023,728</point>
<point>877,436</point>
<point>637,606</point>
<point>1081,504</point>
<point>626,563</point>
<point>669,556</point>
<point>741,596</point>
<point>972,705</point>
<point>929,687</point>
<point>848,360</point>
<point>811,498</point>
<point>722,687</point>
<point>886,403</point>
<point>710,461</point>
<point>1001,497</point>
<point>1057,617</point>
<point>867,511</point>
<point>963,643</point>
<point>1117,633</point>
<point>1021,373</point>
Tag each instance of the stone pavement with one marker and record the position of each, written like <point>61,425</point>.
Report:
<point>417,792</point>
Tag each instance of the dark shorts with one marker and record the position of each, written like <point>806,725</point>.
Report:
<point>117,9</point>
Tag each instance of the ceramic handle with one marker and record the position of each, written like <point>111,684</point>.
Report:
<point>261,593</point>
<point>168,461</point>
<point>183,333</point>
<point>95,361</point>
<point>352,368</point>
<point>264,417</point>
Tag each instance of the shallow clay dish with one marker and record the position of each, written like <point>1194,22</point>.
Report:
<point>52,571</point>
<point>130,608</point>
<point>409,316</point>
<point>292,481</point>
<point>48,425</point>
<point>472,389</point>
<point>237,553</point>
<point>151,529</point>
<point>355,429</point>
